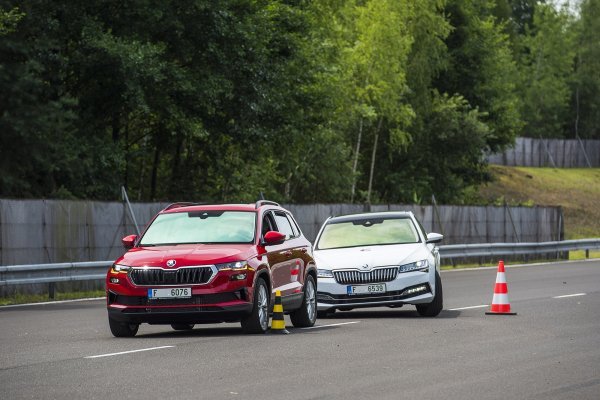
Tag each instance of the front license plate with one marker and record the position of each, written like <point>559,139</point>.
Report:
<point>174,293</point>
<point>366,289</point>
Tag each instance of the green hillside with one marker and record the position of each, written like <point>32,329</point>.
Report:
<point>576,190</point>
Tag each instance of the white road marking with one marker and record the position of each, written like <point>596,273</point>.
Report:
<point>468,308</point>
<point>128,352</point>
<point>569,295</point>
<point>53,302</point>
<point>327,326</point>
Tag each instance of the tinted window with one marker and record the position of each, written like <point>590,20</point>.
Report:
<point>283,225</point>
<point>295,227</point>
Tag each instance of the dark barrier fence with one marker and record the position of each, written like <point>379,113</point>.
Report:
<point>557,153</point>
<point>54,231</point>
<point>58,231</point>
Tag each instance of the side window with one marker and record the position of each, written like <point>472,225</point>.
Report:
<point>294,225</point>
<point>267,223</point>
<point>283,225</point>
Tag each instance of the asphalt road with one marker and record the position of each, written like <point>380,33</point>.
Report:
<point>550,350</point>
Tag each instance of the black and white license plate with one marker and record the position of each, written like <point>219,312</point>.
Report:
<point>366,289</point>
<point>173,293</point>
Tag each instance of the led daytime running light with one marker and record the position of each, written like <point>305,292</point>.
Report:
<point>233,266</point>
<point>324,273</point>
<point>120,268</point>
<point>416,266</point>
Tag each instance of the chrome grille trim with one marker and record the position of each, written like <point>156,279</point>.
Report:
<point>378,275</point>
<point>183,276</point>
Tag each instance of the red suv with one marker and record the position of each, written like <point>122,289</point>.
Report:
<point>213,263</point>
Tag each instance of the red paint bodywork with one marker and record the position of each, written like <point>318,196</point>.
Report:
<point>277,264</point>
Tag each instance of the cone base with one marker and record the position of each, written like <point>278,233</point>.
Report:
<point>499,313</point>
<point>279,331</point>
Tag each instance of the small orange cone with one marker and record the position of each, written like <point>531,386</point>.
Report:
<point>500,304</point>
<point>278,323</point>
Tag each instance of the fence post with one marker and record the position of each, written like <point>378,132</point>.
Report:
<point>512,222</point>
<point>126,200</point>
<point>437,213</point>
<point>548,152</point>
<point>587,160</point>
<point>51,289</point>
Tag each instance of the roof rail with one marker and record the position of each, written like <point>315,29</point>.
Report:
<point>265,202</point>
<point>180,204</point>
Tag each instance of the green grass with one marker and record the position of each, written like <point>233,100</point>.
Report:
<point>576,190</point>
<point>20,298</point>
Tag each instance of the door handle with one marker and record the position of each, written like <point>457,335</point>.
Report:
<point>304,249</point>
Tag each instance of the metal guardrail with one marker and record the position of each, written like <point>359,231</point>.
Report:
<point>509,249</point>
<point>96,270</point>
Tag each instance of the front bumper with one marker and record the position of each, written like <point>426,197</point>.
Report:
<point>402,290</point>
<point>221,307</point>
<point>223,299</point>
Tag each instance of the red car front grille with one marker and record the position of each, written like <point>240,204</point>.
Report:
<point>160,277</point>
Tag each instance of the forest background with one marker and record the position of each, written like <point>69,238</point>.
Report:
<point>304,101</point>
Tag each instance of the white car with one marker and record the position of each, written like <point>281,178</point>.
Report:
<point>377,259</point>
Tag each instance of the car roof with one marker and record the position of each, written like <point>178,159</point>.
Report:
<point>362,216</point>
<point>191,207</point>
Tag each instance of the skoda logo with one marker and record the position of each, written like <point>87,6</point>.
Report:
<point>171,263</point>
<point>366,266</point>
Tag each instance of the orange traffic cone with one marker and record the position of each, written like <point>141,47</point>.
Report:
<point>500,304</point>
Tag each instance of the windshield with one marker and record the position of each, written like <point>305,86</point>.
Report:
<point>368,232</point>
<point>201,227</point>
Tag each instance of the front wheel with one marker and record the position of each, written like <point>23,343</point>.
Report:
<point>435,307</point>
<point>306,315</point>
<point>258,320</point>
<point>122,329</point>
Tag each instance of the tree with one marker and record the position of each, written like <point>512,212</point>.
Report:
<point>585,114</point>
<point>482,69</point>
<point>546,66</point>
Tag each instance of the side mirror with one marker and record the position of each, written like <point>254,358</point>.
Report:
<point>272,238</point>
<point>129,241</point>
<point>434,237</point>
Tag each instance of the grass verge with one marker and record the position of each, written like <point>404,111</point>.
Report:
<point>576,190</point>
<point>20,298</point>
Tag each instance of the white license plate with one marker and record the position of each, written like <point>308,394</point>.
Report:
<point>366,289</point>
<point>174,293</point>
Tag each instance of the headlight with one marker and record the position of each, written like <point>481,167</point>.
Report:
<point>422,265</point>
<point>238,265</point>
<point>120,268</point>
<point>324,273</point>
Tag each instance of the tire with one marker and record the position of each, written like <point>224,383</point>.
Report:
<point>306,315</point>
<point>182,327</point>
<point>258,320</point>
<point>437,304</point>
<point>122,329</point>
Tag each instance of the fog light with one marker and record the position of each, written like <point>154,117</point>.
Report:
<point>415,290</point>
<point>238,277</point>
<point>114,280</point>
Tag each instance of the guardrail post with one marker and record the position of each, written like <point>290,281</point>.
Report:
<point>51,289</point>
<point>587,253</point>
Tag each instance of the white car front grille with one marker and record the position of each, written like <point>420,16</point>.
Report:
<point>378,275</point>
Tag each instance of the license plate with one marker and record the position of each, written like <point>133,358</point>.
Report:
<point>366,289</point>
<point>174,293</point>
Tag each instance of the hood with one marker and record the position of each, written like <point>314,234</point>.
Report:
<point>186,255</point>
<point>373,256</point>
